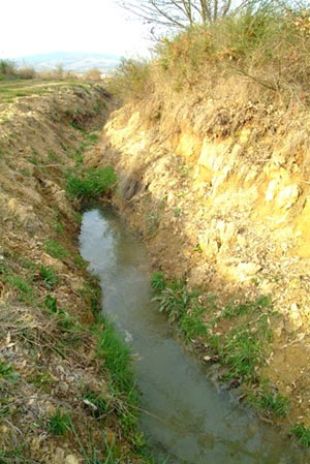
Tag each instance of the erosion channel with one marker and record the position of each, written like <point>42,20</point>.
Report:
<point>184,416</point>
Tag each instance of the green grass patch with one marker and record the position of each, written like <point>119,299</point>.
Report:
<point>92,138</point>
<point>80,262</point>
<point>158,282</point>
<point>92,295</point>
<point>174,300</point>
<point>192,324</point>
<point>241,348</point>
<point>25,290</point>
<point>12,89</point>
<point>55,249</point>
<point>242,352</point>
<point>180,305</point>
<point>91,184</point>
<point>249,307</point>
<point>16,456</point>
<point>60,423</point>
<point>7,371</point>
<point>116,356</point>
<point>66,322</point>
<point>58,227</point>
<point>271,402</point>
<point>100,406</point>
<point>302,433</point>
<point>50,303</point>
<point>49,276</point>
<point>42,380</point>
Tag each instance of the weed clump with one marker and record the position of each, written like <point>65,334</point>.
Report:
<point>302,433</point>
<point>6,371</point>
<point>24,289</point>
<point>49,276</point>
<point>55,249</point>
<point>91,184</point>
<point>180,305</point>
<point>60,423</point>
<point>241,348</point>
<point>158,282</point>
<point>97,402</point>
<point>116,357</point>
<point>273,402</point>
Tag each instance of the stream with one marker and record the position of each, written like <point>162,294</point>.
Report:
<point>185,418</point>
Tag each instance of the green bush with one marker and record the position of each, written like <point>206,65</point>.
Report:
<point>92,184</point>
<point>131,79</point>
<point>7,69</point>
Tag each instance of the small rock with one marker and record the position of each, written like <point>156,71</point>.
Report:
<point>59,456</point>
<point>288,196</point>
<point>278,330</point>
<point>72,459</point>
<point>52,262</point>
<point>63,387</point>
<point>234,383</point>
<point>295,321</point>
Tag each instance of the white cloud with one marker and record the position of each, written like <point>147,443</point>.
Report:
<point>41,26</point>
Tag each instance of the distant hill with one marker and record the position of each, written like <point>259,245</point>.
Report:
<point>78,62</point>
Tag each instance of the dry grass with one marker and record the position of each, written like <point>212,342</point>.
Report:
<point>269,46</point>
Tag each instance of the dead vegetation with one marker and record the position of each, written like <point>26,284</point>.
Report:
<point>267,45</point>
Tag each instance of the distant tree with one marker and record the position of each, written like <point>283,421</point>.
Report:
<point>179,13</point>
<point>59,72</point>
<point>7,68</point>
<point>93,74</point>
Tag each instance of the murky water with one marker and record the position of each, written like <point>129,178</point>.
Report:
<point>186,419</point>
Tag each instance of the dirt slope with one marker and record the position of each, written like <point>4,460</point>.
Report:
<point>56,401</point>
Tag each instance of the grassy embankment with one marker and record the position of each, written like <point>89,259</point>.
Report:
<point>26,81</point>
<point>67,391</point>
<point>264,54</point>
<point>10,90</point>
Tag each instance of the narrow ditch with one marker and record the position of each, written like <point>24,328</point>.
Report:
<point>184,417</point>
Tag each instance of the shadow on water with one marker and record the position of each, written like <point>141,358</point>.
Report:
<point>186,419</point>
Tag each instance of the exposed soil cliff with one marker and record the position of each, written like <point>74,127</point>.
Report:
<point>218,183</point>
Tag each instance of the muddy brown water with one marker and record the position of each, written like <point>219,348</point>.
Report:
<point>185,418</point>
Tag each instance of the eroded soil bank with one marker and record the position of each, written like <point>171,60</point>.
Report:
<point>58,402</point>
<point>218,187</point>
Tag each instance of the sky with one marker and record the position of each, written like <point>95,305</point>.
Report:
<point>42,26</point>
